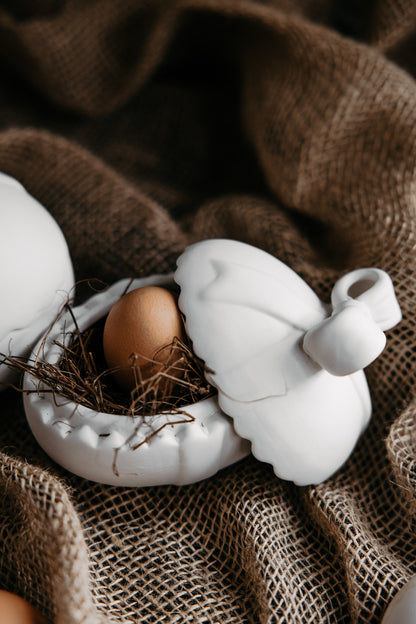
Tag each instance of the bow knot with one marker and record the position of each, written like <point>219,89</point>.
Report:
<point>364,306</point>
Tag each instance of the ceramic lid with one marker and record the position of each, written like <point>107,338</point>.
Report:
<point>287,367</point>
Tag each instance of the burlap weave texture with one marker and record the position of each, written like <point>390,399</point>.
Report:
<point>144,126</point>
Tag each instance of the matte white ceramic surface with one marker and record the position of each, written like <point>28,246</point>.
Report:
<point>275,352</point>
<point>100,446</point>
<point>36,273</point>
<point>402,609</point>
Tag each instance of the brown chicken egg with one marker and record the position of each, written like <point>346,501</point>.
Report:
<point>16,610</point>
<point>139,331</point>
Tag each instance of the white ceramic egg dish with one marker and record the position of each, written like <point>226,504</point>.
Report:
<point>100,446</point>
<point>287,368</point>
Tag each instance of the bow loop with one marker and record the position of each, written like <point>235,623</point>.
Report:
<point>372,287</point>
<point>364,304</point>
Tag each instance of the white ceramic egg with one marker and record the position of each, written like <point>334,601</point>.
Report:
<point>36,275</point>
<point>402,609</point>
<point>100,447</point>
<point>287,367</point>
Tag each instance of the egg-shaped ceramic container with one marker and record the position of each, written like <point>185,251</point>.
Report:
<point>402,609</point>
<point>118,449</point>
<point>287,367</point>
<point>36,276</point>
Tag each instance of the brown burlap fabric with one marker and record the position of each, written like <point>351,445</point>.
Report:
<point>142,126</point>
